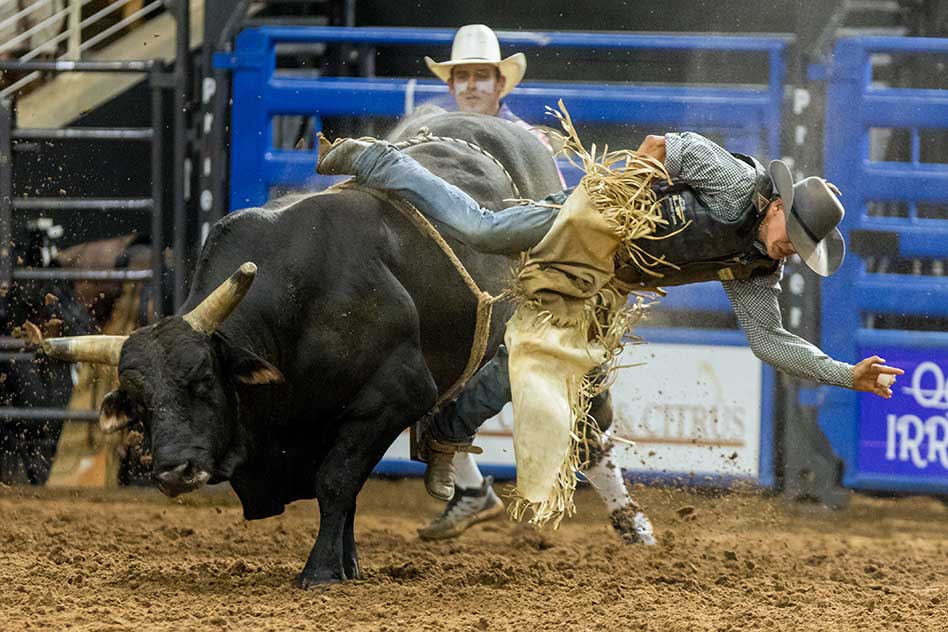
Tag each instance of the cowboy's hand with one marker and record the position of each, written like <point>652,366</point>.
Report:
<point>873,376</point>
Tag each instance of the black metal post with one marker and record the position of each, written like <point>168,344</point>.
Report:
<point>215,95</point>
<point>218,144</point>
<point>181,94</point>
<point>807,467</point>
<point>6,197</point>
<point>157,189</point>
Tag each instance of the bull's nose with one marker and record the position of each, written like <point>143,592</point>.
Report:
<point>181,478</point>
<point>174,476</point>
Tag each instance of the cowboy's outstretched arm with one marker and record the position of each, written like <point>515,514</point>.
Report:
<point>758,313</point>
<point>508,232</point>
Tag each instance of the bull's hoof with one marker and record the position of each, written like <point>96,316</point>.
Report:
<point>310,580</point>
<point>352,568</point>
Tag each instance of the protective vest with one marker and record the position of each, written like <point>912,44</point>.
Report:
<point>705,248</point>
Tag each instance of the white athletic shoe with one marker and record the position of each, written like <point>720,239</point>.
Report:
<point>466,508</point>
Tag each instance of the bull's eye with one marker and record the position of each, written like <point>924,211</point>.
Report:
<point>201,387</point>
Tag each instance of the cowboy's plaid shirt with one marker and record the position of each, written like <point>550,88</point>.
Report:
<point>725,184</point>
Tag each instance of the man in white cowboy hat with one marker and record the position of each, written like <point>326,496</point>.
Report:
<point>479,79</point>
<point>727,218</point>
<point>476,75</point>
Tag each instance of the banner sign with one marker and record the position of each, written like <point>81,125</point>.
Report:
<point>908,434</point>
<point>690,410</point>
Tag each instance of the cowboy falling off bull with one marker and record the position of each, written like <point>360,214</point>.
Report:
<point>698,213</point>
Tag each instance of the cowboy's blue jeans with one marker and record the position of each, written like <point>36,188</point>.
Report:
<point>458,215</point>
<point>484,395</point>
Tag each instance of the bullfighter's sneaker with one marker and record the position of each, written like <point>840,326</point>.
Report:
<point>337,158</point>
<point>439,477</point>
<point>632,525</point>
<point>466,508</point>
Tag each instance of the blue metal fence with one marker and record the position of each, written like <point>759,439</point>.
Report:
<point>899,444</point>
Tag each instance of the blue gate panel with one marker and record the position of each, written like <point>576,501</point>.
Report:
<point>747,117</point>
<point>741,108</point>
<point>883,443</point>
<point>879,180</point>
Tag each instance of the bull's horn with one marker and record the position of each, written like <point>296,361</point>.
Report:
<point>213,310</point>
<point>97,349</point>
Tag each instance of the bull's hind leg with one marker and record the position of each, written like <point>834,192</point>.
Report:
<point>400,392</point>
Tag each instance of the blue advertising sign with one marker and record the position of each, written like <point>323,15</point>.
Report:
<point>908,434</point>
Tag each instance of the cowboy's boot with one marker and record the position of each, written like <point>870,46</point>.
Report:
<point>337,158</point>
<point>439,477</point>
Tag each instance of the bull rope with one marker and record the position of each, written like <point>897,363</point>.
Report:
<point>485,302</point>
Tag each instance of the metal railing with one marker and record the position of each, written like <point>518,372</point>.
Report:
<point>747,115</point>
<point>62,27</point>
<point>875,437</point>
<point>9,139</point>
<point>14,140</point>
<point>153,204</point>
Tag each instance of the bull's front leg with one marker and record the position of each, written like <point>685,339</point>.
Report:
<point>350,558</point>
<point>334,557</point>
<point>325,562</point>
<point>384,408</point>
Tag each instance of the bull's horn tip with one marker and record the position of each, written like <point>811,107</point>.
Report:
<point>248,268</point>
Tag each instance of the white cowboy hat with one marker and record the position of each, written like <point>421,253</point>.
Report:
<point>813,213</point>
<point>477,44</point>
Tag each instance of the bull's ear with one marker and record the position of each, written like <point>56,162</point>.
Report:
<point>115,412</point>
<point>249,368</point>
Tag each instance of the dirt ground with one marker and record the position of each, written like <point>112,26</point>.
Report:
<point>134,560</point>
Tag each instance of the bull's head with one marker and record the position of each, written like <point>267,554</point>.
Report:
<point>180,377</point>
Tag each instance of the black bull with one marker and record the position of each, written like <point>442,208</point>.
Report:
<point>361,313</point>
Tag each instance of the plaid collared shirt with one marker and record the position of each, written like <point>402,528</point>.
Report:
<point>725,184</point>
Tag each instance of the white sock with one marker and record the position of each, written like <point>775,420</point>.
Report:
<point>466,473</point>
<point>606,479</point>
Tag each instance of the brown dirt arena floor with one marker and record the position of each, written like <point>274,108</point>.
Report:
<point>134,560</point>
